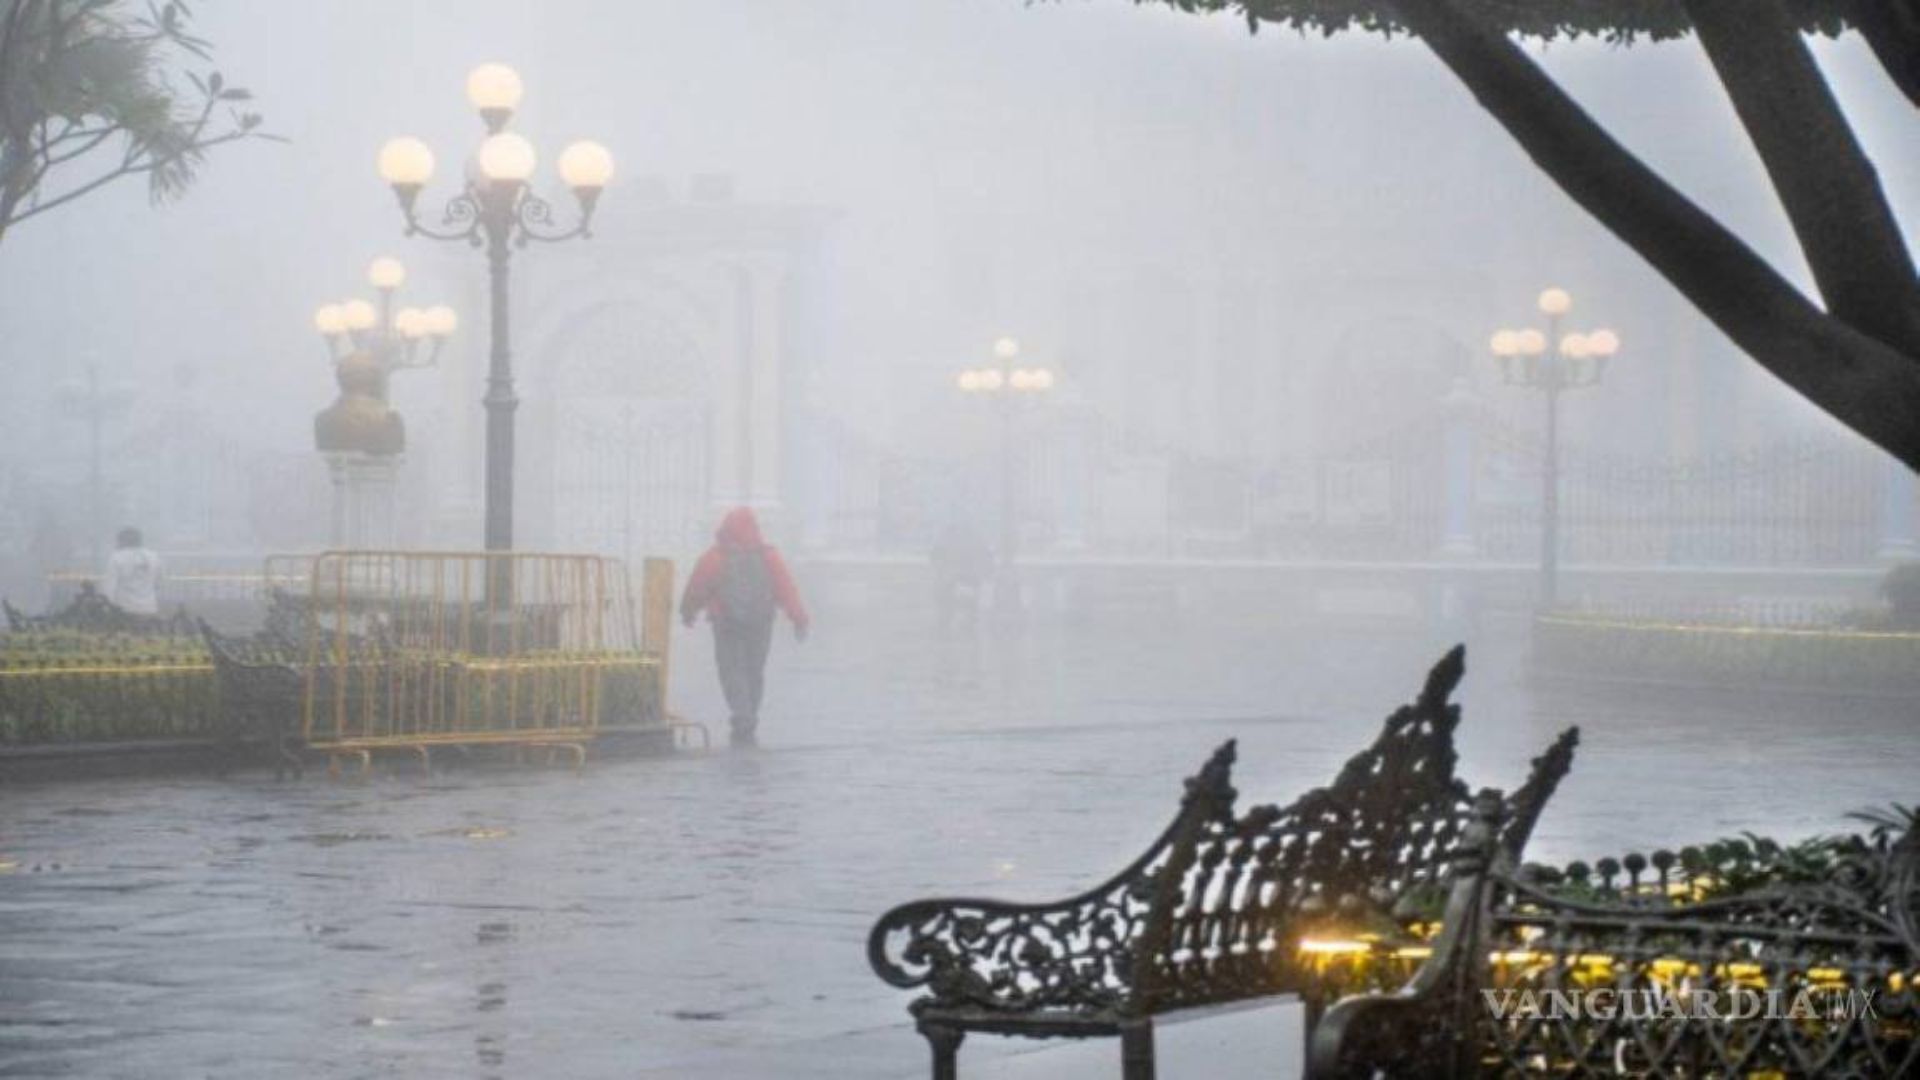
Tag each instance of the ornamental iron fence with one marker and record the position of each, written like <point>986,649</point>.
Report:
<point>1458,484</point>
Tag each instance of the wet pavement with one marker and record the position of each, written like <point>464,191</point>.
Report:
<point>705,915</point>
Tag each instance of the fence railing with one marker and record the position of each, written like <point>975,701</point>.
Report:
<point>411,649</point>
<point>1799,501</point>
<point>399,648</point>
<point>204,584</point>
<point>1460,484</point>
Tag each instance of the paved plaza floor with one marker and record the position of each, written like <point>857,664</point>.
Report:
<point>705,915</point>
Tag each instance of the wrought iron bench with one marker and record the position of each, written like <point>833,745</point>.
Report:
<point>1629,974</point>
<point>92,613</point>
<point>259,690</point>
<point>265,684</point>
<point>1214,910</point>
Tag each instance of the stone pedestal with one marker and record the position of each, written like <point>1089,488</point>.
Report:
<point>363,501</point>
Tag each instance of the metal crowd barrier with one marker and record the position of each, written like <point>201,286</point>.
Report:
<point>413,650</point>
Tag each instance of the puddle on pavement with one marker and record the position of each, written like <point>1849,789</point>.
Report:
<point>493,932</point>
<point>332,839</point>
<point>473,832</point>
<point>11,867</point>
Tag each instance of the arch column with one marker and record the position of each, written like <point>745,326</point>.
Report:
<point>748,455</point>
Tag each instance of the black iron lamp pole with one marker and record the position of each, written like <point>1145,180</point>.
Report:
<point>499,212</point>
<point>1552,363</point>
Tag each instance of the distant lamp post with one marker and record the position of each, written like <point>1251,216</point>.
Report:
<point>1552,362</point>
<point>94,405</point>
<point>396,338</point>
<point>1003,383</point>
<point>497,210</point>
<point>360,434</point>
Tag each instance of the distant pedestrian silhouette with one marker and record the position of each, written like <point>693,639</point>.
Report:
<point>133,575</point>
<point>742,584</point>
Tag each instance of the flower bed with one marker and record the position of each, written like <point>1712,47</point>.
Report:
<point>68,686</point>
<point>1852,660</point>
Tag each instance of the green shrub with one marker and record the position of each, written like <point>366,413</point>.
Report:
<point>1901,589</point>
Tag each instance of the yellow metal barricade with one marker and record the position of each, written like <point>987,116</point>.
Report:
<point>409,650</point>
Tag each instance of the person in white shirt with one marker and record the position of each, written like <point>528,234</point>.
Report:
<point>133,575</point>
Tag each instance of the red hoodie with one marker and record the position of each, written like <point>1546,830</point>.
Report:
<point>739,536</point>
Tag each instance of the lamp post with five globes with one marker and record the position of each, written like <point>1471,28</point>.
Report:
<point>498,211</point>
<point>1551,363</point>
<point>393,337</point>
<point>360,435</point>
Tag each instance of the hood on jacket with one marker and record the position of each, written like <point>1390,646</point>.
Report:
<point>739,529</point>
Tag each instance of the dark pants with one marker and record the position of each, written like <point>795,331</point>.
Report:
<point>740,652</point>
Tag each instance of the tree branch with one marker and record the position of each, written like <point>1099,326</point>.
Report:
<point>94,138</point>
<point>1824,180</point>
<point>130,166</point>
<point>1892,30</point>
<point>1861,381</point>
<point>123,91</point>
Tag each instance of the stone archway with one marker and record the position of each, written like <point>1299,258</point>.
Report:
<point>630,423</point>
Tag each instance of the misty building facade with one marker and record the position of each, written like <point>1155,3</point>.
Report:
<point>656,367</point>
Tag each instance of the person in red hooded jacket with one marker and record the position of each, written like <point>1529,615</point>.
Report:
<point>742,584</point>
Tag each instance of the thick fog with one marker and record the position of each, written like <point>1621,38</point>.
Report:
<point>1222,242</point>
<point>1275,471</point>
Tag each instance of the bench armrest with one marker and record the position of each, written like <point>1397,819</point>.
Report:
<point>1079,953</point>
<point>1421,1028</point>
<point>1416,1030</point>
<point>1398,1034</point>
<point>1013,957</point>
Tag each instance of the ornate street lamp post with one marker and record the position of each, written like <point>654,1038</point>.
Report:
<point>393,337</point>
<point>497,211</point>
<point>1552,363</point>
<point>1002,382</point>
<point>360,434</point>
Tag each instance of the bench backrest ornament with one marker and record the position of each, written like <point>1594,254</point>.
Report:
<point>90,612</point>
<point>1657,967</point>
<point>1215,909</point>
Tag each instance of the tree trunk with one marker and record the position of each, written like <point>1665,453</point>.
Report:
<point>1824,180</point>
<point>1866,384</point>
